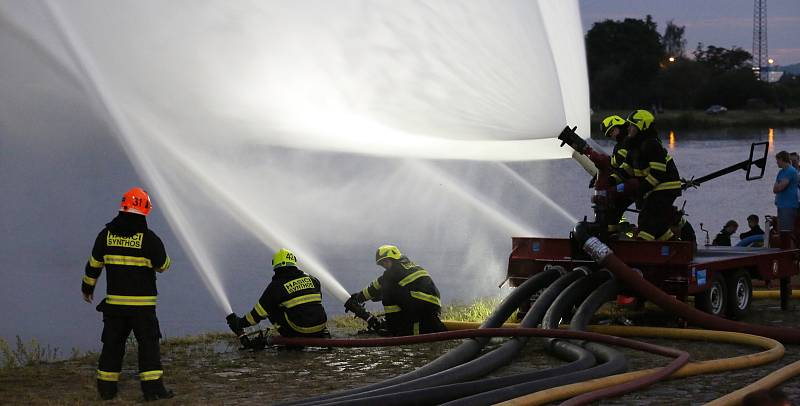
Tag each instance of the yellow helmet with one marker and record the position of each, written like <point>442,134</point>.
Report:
<point>642,119</point>
<point>611,122</point>
<point>387,251</point>
<point>283,258</point>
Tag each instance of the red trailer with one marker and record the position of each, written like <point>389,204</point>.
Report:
<point>719,278</point>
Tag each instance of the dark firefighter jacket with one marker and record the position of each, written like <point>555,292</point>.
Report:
<point>131,254</point>
<point>292,302</point>
<point>618,155</point>
<point>406,290</point>
<point>648,161</point>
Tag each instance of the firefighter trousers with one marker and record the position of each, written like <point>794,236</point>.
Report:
<point>406,323</point>
<point>116,329</point>
<point>615,211</point>
<point>656,216</point>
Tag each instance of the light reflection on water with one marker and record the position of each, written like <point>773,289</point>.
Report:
<point>671,140</point>
<point>771,138</point>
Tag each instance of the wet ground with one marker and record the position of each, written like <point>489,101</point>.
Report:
<point>210,370</point>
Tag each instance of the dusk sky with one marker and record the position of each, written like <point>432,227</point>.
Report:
<point>724,23</point>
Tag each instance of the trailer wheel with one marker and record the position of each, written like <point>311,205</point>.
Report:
<point>740,294</point>
<point>714,300</point>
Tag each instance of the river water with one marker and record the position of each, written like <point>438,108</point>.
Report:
<point>58,193</point>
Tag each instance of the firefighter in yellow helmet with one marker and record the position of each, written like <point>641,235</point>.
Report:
<point>131,254</point>
<point>616,128</point>
<point>657,181</point>
<point>292,302</point>
<point>410,298</point>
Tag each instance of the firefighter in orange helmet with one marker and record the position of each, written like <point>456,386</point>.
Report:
<point>131,254</point>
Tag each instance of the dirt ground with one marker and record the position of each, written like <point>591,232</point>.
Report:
<point>211,370</point>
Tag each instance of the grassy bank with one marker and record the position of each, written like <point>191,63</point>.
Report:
<point>698,119</point>
<point>202,369</point>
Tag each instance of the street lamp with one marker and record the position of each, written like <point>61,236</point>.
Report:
<point>672,59</point>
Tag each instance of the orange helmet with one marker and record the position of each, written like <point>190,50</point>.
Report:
<point>136,201</point>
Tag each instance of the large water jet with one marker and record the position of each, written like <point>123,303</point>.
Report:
<point>292,113</point>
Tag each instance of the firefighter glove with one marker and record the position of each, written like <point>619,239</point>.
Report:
<point>235,324</point>
<point>355,301</point>
<point>376,323</point>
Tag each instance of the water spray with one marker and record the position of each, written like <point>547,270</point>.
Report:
<point>538,193</point>
<point>174,216</point>
<point>351,96</point>
<point>116,120</point>
<point>513,226</point>
<point>271,235</point>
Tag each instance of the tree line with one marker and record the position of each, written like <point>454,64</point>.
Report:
<point>631,64</point>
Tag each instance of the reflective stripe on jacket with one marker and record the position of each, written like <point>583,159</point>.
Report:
<point>292,302</point>
<point>131,253</point>
<point>405,289</point>
<point>649,161</point>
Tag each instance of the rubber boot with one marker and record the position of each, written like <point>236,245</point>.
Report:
<point>155,390</point>
<point>106,389</point>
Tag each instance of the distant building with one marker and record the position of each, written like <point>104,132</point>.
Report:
<point>772,76</point>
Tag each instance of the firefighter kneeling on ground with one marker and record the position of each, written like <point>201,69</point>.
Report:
<point>654,179</point>
<point>131,254</point>
<point>292,302</point>
<point>410,298</point>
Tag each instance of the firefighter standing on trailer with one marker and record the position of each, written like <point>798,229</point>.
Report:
<point>616,128</point>
<point>657,181</point>
<point>410,298</point>
<point>292,302</point>
<point>131,254</point>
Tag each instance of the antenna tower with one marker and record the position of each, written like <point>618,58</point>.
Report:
<point>759,37</point>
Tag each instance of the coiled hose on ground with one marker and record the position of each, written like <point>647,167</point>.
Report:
<point>463,353</point>
<point>612,361</point>
<point>436,393</point>
<point>773,351</point>
<point>588,307</point>
<point>439,394</point>
<point>482,332</point>
<point>481,366</point>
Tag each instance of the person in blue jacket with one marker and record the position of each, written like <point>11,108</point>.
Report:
<point>785,190</point>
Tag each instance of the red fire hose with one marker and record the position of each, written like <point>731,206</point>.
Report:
<point>633,280</point>
<point>680,360</point>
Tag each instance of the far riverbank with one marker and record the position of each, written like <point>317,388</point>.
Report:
<point>698,119</point>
